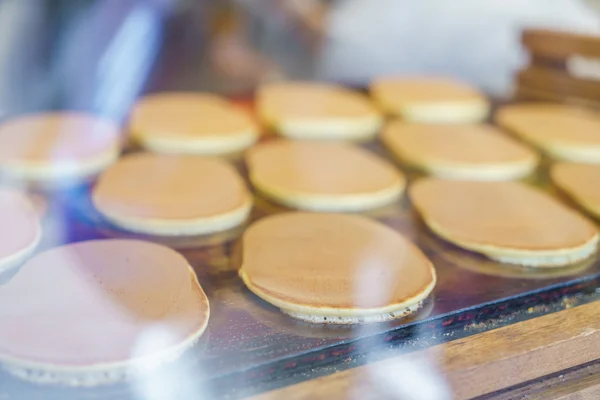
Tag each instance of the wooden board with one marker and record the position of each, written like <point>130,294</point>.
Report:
<point>484,363</point>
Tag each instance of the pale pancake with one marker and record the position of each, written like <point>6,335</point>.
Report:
<point>99,311</point>
<point>469,152</point>
<point>322,176</point>
<point>191,123</point>
<point>563,132</point>
<point>506,221</point>
<point>303,110</point>
<point>20,230</point>
<point>332,268</point>
<point>172,195</point>
<point>57,147</point>
<point>430,99</point>
<point>581,182</point>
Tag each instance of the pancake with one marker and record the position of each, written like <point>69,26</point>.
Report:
<point>331,268</point>
<point>191,123</point>
<point>20,230</point>
<point>563,132</point>
<point>469,152</point>
<point>96,312</point>
<point>480,264</point>
<point>57,147</point>
<point>581,182</point>
<point>322,176</point>
<point>172,195</point>
<point>430,99</point>
<point>302,110</point>
<point>506,221</point>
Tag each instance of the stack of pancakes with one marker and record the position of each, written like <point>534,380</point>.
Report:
<point>563,67</point>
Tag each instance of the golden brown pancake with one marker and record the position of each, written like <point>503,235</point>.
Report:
<point>191,123</point>
<point>97,311</point>
<point>303,110</point>
<point>332,268</point>
<point>506,221</point>
<point>57,147</point>
<point>323,176</point>
<point>172,195</point>
<point>469,152</point>
<point>20,230</point>
<point>430,99</point>
<point>562,131</point>
<point>581,182</point>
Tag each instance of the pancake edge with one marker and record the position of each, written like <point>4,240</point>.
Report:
<point>571,152</point>
<point>588,206</point>
<point>45,172</point>
<point>331,203</point>
<point>102,373</point>
<point>448,112</point>
<point>465,171</point>
<point>344,315</point>
<point>358,129</point>
<point>531,258</point>
<point>180,226</point>
<point>202,145</point>
<point>565,151</point>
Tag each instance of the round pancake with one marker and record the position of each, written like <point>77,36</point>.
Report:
<point>20,230</point>
<point>323,176</point>
<point>430,99</point>
<point>191,123</point>
<point>98,311</point>
<point>581,182</point>
<point>332,268</point>
<point>469,152</point>
<point>563,132</point>
<point>172,195</point>
<point>480,264</point>
<point>302,110</point>
<point>506,221</point>
<point>57,147</point>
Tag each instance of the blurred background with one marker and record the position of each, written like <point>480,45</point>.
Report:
<point>99,55</point>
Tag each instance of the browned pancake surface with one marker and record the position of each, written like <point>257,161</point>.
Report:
<point>459,145</point>
<point>56,138</point>
<point>581,182</point>
<point>500,214</point>
<point>100,302</point>
<point>188,116</point>
<point>155,186</point>
<point>318,168</point>
<point>331,260</point>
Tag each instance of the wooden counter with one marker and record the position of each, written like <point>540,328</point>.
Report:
<point>549,357</point>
